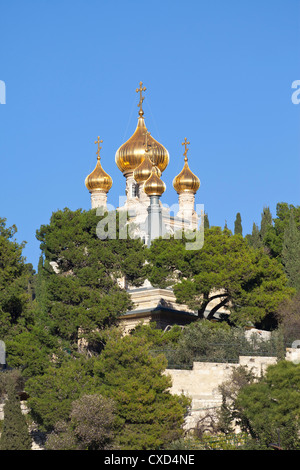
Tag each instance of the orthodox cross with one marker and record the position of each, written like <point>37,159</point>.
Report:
<point>98,151</point>
<point>185,143</point>
<point>146,134</point>
<point>141,89</point>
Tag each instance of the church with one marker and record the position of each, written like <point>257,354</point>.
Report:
<point>142,161</point>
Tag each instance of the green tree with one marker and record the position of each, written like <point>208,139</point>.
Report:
<point>32,351</point>
<point>206,221</point>
<point>289,319</point>
<point>269,409</point>
<point>77,288</point>
<point>238,229</point>
<point>291,252</point>
<point>51,394</point>
<point>15,434</point>
<point>204,340</point>
<point>149,416</point>
<point>255,239</point>
<point>273,238</point>
<point>239,378</point>
<point>225,270</point>
<point>266,222</point>
<point>90,427</point>
<point>159,339</point>
<point>16,279</point>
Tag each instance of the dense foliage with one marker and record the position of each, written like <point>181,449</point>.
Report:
<point>149,415</point>
<point>16,279</point>
<point>269,410</point>
<point>78,288</point>
<point>15,434</point>
<point>90,426</point>
<point>225,272</point>
<point>207,341</point>
<point>91,388</point>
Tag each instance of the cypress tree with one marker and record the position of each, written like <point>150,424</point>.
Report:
<point>15,434</point>
<point>255,239</point>
<point>206,221</point>
<point>291,253</point>
<point>238,230</point>
<point>266,222</point>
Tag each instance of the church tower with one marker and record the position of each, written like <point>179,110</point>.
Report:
<point>98,182</point>
<point>186,184</point>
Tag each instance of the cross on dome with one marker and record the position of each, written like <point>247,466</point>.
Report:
<point>185,143</point>
<point>98,141</point>
<point>140,90</point>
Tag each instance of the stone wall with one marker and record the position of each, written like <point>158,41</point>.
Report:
<point>202,382</point>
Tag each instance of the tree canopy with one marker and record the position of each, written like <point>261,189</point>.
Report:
<point>226,271</point>
<point>16,278</point>
<point>269,409</point>
<point>77,288</point>
<point>149,415</point>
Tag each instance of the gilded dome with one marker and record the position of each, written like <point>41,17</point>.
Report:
<point>131,154</point>
<point>98,180</point>
<point>143,171</point>
<point>154,186</point>
<point>186,180</point>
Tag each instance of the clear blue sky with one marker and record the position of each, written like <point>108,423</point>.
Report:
<point>217,72</point>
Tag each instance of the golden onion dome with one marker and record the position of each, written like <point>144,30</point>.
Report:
<point>98,180</point>
<point>154,186</point>
<point>186,180</point>
<point>143,171</point>
<point>131,154</point>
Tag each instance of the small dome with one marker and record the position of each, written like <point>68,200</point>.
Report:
<point>98,180</point>
<point>154,186</point>
<point>143,171</point>
<point>186,180</point>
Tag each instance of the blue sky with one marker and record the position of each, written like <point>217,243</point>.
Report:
<point>217,72</point>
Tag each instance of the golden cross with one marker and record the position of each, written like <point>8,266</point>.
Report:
<point>98,151</point>
<point>146,134</point>
<point>153,147</point>
<point>141,89</point>
<point>185,143</point>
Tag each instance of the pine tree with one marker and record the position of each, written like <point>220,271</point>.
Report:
<point>238,225</point>
<point>291,253</point>
<point>15,434</point>
<point>149,416</point>
<point>77,283</point>
<point>226,270</point>
<point>15,283</point>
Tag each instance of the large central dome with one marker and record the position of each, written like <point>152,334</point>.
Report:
<point>131,154</point>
